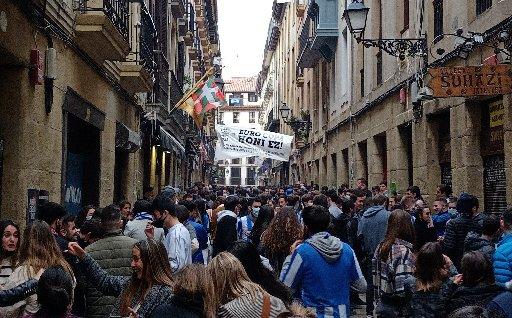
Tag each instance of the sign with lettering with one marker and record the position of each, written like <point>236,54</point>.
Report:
<point>236,142</point>
<point>471,81</point>
<point>496,114</point>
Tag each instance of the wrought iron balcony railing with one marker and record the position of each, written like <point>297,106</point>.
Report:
<point>116,10</point>
<point>147,41</point>
<point>161,87</point>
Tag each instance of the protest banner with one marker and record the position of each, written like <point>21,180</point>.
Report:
<point>238,142</point>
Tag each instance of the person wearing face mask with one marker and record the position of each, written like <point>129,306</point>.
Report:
<point>9,250</point>
<point>177,240</point>
<point>246,223</point>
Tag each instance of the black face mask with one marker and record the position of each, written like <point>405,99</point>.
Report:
<point>158,223</point>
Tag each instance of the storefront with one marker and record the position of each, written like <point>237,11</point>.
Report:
<point>493,156</point>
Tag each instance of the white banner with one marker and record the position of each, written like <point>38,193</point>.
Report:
<point>235,142</point>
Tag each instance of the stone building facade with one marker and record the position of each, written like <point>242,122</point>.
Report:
<point>78,79</point>
<point>360,99</point>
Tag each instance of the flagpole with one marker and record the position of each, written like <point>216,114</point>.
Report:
<point>190,91</point>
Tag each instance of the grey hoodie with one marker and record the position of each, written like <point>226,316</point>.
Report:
<point>327,245</point>
<point>372,226</point>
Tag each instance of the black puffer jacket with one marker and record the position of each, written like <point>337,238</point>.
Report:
<point>11,296</point>
<point>428,305</point>
<point>456,297</point>
<point>454,236</point>
<point>475,242</point>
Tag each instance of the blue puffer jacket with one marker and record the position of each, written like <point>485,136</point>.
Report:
<point>502,260</point>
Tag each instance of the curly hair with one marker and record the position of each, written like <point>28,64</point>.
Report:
<point>282,232</point>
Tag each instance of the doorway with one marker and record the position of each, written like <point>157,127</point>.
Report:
<point>82,162</point>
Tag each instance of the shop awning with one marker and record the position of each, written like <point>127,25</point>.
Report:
<point>170,143</point>
<point>126,138</point>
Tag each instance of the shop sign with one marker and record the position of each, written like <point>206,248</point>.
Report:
<point>471,81</point>
<point>497,114</point>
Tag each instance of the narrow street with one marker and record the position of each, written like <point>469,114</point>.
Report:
<point>256,159</point>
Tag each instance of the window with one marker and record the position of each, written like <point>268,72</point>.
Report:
<point>379,67</point>
<point>235,161</point>
<point>253,97</point>
<point>236,117</point>
<point>406,15</point>
<point>236,100</point>
<point>252,117</point>
<point>482,6</point>
<point>361,73</point>
<point>250,160</point>
<point>438,19</point>
<point>220,118</point>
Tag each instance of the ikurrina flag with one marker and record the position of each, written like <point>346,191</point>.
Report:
<point>204,97</point>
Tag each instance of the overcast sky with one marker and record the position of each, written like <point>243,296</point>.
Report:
<point>243,26</point>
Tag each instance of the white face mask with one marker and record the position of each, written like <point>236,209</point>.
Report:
<point>88,217</point>
<point>255,212</point>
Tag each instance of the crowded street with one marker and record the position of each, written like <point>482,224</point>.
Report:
<point>255,159</point>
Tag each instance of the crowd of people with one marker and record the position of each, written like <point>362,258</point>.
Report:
<point>262,252</point>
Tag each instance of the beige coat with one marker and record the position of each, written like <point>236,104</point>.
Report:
<point>27,306</point>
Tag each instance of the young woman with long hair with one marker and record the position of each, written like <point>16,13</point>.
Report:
<point>424,226</point>
<point>192,291</point>
<point>149,286</point>
<point>248,255</point>
<point>38,251</point>
<point>9,250</point>
<point>282,232</point>
<point>432,271</point>
<point>262,222</point>
<point>236,295</point>
<point>394,265</point>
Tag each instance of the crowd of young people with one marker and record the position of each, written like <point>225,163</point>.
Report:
<point>294,251</point>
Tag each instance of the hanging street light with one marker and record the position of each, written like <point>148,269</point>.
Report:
<point>356,16</point>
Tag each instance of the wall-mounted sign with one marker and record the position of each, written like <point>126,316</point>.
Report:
<point>471,81</point>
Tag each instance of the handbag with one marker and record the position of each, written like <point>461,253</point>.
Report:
<point>265,311</point>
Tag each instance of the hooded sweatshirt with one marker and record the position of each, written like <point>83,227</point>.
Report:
<point>372,227</point>
<point>320,272</point>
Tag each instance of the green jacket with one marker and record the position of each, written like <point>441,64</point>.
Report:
<point>114,254</point>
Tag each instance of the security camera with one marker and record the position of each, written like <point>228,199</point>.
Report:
<point>425,94</point>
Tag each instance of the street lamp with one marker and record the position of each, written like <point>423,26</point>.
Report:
<point>301,127</point>
<point>356,14</point>
<point>285,111</point>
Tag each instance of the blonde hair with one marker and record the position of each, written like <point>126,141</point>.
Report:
<point>230,280</point>
<point>192,282</point>
<point>39,250</point>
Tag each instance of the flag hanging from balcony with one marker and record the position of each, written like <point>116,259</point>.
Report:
<point>201,99</point>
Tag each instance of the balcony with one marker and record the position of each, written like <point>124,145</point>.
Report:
<point>178,8</point>
<point>137,76</point>
<point>101,29</point>
<point>177,119</point>
<point>318,37</point>
<point>191,25</point>
<point>158,100</point>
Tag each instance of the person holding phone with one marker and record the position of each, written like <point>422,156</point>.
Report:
<point>137,296</point>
